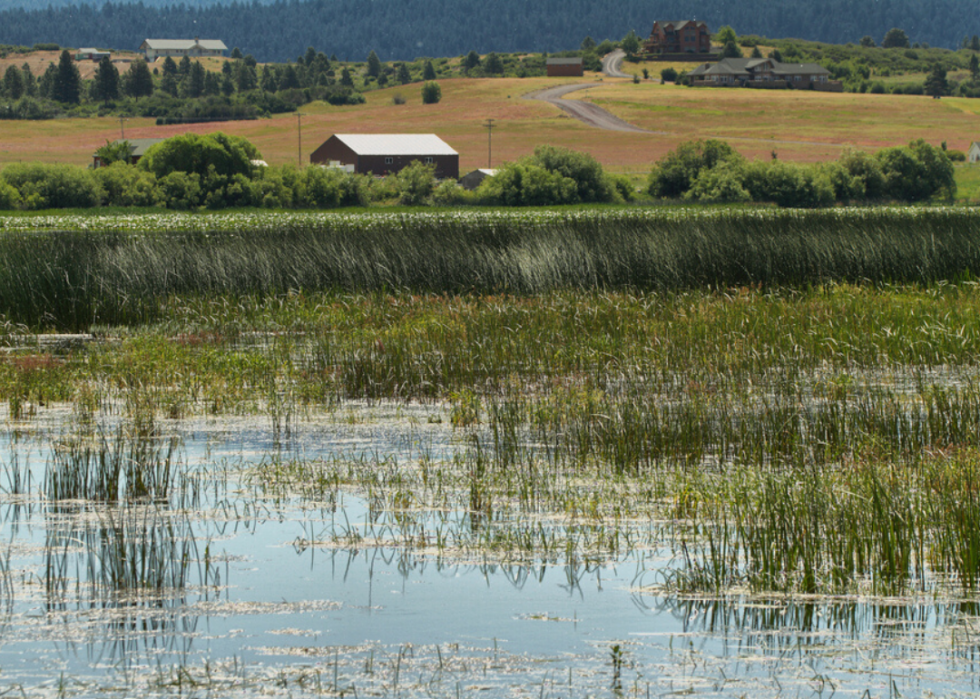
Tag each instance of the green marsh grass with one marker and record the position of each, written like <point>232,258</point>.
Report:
<point>72,272</point>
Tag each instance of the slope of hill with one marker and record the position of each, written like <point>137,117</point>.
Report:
<point>404,29</point>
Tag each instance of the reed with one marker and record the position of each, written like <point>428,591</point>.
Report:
<point>116,271</point>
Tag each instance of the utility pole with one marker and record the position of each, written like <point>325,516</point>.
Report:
<point>122,129</point>
<point>299,139</point>
<point>489,125</point>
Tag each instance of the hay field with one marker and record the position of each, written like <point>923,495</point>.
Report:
<point>798,125</point>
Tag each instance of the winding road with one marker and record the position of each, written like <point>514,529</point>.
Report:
<point>596,116</point>
<point>586,112</point>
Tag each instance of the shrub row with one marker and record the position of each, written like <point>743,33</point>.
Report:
<point>713,171</point>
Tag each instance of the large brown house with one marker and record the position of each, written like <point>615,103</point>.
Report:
<point>386,154</point>
<point>688,36</point>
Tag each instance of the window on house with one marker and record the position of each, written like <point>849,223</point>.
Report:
<point>428,160</point>
<point>389,161</point>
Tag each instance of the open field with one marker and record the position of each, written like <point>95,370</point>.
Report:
<point>799,125</point>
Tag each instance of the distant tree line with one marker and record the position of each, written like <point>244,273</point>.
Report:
<point>404,29</point>
<point>174,91</point>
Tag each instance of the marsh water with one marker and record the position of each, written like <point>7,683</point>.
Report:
<point>250,589</point>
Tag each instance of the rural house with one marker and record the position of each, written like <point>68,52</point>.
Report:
<point>386,154</point>
<point>688,36</point>
<point>178,48</point>
<point>973,155</point>
<point>137,148</point>
<point>761,72</point>
<point>564,67</point>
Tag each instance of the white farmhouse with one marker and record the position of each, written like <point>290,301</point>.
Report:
<point>178,48</point>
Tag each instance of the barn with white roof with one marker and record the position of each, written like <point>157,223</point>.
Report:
<point>386,154</point>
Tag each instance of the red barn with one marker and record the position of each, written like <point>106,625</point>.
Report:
<point>386,154</point>
<point>564,67</point>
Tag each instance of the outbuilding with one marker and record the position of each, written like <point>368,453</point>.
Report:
<point>564,67</point>
<point>386,154</point>
<point>973,155</point>
<point>473,179</point>
<point>92,55</point>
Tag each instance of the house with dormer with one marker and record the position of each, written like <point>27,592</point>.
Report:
<point>759,72</point>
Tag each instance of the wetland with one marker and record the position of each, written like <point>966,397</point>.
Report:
<point>232,477</point>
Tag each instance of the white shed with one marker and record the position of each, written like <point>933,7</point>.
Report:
<point>973,155</point>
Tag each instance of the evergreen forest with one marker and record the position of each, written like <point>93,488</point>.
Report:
<point>406,29</point>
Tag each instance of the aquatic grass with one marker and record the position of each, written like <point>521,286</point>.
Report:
<point>131,464</point>
<point>72,272</point>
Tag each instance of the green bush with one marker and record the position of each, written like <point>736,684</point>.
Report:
<point>917,172</point>
<point>449,193</point>
<point>9,197</point>
<point>196,153</point>
<point>431,93</point>
<point>416,183</point>
<point>592,183</point>
<point>527,184</point>
<point>675,172</point>
<point>788,184</point>
<point>126,185</point>
<point>867,170</point>
<point>181,190</point>
<point>668,74</point>
<point>329,188</point>
<point>46,186</point>
<point>722,183</point>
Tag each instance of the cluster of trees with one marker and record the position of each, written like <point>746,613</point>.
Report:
<point>217,171</point>
<point>176,91</point>
<point>553,175</point>
<point>452,27</point>
<point>712,171</point>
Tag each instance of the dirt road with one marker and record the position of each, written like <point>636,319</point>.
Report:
<point>585,112</point>
<point>611,62</point>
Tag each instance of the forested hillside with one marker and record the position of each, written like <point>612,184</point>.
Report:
<point>405,29</point>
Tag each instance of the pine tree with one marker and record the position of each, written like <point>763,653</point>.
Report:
<point>472,60</point>
<point>492,64</point>
<point>13,83</point>
<point>936,83</point>
<point>106,85</point>
<point>168,83</point>
<point>405,77</point>
<point>67,86</point>
<point>193,85</point>
<point>138,82</point>
<point>429,71</point>
<point>974,69</point>
<point>373,65</point>
<point>346,79</point>
<point>30,82</point>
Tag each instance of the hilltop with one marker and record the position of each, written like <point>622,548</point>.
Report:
<point>405,29</point>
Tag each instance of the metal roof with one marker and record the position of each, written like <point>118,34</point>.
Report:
<point>396,144</point>
<point>138,146</point>
<point>184,44</point>
<point>564,61</point>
